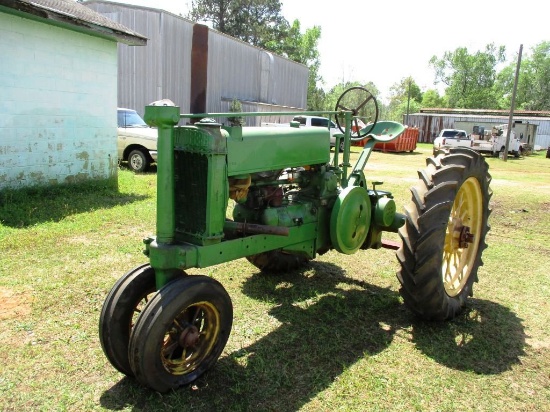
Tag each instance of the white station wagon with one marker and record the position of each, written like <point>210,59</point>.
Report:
<point>137,142</point>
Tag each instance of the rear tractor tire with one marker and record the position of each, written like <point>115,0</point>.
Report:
<point>444,234</point>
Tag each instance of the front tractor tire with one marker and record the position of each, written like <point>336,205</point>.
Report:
<point>121,308</point>
<point>181,332</point>
<point>444,234</point>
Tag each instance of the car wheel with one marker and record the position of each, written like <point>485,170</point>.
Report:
<point>138,161</point>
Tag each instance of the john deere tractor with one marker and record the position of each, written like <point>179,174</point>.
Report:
<point>293,199</point>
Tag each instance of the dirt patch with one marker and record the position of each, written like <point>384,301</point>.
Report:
<point>14,304</point>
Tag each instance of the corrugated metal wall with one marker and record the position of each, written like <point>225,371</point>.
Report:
<point>261,80</point>
<point>430,125</point>
<point>162,69</point>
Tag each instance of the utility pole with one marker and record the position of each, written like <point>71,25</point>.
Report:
<point>408,101</point>
<point>512,106</point>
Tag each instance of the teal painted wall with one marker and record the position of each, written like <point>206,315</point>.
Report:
<point>58,94</point>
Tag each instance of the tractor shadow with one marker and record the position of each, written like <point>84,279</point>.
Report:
<point>486,338</point>
<point>328,322</point>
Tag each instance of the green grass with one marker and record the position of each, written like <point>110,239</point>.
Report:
<point>333,337</point>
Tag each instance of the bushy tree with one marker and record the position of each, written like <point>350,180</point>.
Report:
<point>302,48</point>
<point>431,98</point>
<point>260,23</point>
<point>334,94</point>
<point>256,22</point>
<point>404,96</point>
<point>533,91</point>
<point>236,107</point>
<point>469,77</point>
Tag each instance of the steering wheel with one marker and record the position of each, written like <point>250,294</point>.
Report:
<point>362,104</point>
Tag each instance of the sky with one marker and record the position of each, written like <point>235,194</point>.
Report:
<point>386,41</point>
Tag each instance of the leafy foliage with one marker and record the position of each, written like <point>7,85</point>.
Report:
<point>533,92</point>
<point>431,98</point>
<point>334,93</point>
<point>256,22</point>
<point>470,77</point>
<point>236,107</point>
<point>405,97</point>
<point>260,23</point>
<point>302,48</point>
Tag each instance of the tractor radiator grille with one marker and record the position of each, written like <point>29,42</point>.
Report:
<point>191,170</point>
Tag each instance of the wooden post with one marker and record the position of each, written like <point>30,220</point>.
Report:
<point>512,106</point>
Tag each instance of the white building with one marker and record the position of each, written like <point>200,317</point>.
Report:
<point>58,77</point>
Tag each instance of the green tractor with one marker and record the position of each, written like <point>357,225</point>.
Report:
<point>293,200</point>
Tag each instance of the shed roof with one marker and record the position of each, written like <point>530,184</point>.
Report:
<point>482,112</point>
<point>74,15</point>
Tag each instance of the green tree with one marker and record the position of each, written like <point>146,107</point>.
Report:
<point>405,95</point>
<point>218,13</point>
<point>260,23</point>
<point>257,22</point>
<point>533,92</point>
<point>236,107</point>
<point>431,98</point>
<point>538,97</point>
<point>469,77</point>
<point>302,48</point>
<point>334,94</point>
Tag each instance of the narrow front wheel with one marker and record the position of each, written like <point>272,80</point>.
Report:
<point>120,309</point>
<point>181,333</point>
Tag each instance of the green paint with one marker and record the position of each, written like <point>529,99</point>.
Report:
<point>288,193</point>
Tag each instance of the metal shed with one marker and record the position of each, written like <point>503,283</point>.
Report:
<point>200,69</point>
<point>533,127</point>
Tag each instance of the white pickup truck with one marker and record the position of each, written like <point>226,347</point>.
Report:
<point>494,143</point>
<point>315,121</point>
<point>137,142</point>
<point>448,138</point>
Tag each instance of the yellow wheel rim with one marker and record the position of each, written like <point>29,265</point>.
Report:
<point>462,237</point>
<point>190,339</point>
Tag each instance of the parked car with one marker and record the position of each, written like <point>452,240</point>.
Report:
<point>137,142</point>
<point>448,138</point>
<point>318,121</point>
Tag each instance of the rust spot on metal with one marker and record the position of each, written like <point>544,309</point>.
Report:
<point>199,66</point>
<point>189,337</point>
<point>465,237</point>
